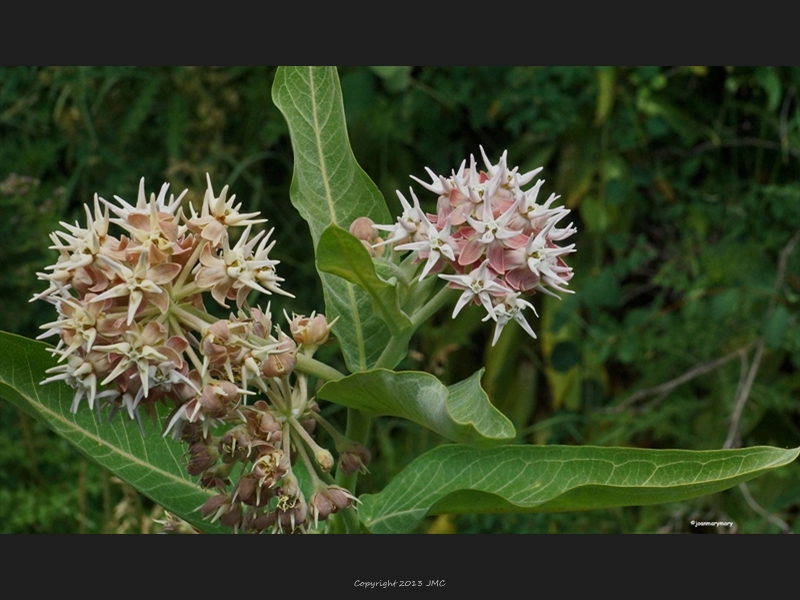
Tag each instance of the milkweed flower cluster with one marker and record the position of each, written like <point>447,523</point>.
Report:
<point>133,331</point>
<point>499,238</point>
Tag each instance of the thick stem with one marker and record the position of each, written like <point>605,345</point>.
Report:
<point>430,308</point>
<point>320,370</point>
<point>395,344</point>
<point>350,518</point>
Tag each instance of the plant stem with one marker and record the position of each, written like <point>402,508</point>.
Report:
<point>318,369</point>
<point>190,318</point>
<point>430,308</point>
<point>394,344</point>
<point>350,518</point>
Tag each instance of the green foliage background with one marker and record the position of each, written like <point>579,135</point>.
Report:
<point>685,188</point>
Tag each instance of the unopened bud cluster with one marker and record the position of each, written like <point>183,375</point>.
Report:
<point>133,331</point>
<point>498,238</point>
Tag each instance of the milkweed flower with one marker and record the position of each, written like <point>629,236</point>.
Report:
<point>133,330</point>
<point>498,237</point>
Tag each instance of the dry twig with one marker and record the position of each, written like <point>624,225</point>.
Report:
<point>743,391</point>
<point>762,511</point>
<point>695,371</point>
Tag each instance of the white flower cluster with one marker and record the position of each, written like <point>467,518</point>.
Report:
<point>497,237</point>
<point>122,300</point>
<point>133,331</point>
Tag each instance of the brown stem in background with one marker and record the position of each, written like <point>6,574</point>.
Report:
<point>695,371</point>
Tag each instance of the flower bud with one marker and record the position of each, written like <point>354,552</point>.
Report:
<point>215,505</point>
<point>320,506</point>
<point>311,332</point>
<point>251,492</point>
<point>279,365</point>
<point>216,396</point>
<point>353,457</point>
<point>270,426</point>
<point>201,457</point>
<point>329,500</point>
<point>235,444</point>
<point>174,524</point>
<point>233,517</point>
<point>258,522</point>
<point>364,229</point>
<point>339,497</point>
<point>324,459</point>
<point>373,252</point>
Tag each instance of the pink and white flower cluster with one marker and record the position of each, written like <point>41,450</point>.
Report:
<point>125,302</point>
<point>133,331</point>
<point>499,238</point>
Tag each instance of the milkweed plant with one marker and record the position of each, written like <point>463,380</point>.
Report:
<point>237,399</point>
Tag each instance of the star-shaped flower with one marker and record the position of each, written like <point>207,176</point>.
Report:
<point>508,308</point>
<point>477,284</point>
<point>437,244</point>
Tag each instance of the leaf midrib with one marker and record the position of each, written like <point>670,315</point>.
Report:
<point>362,359</point>
<point>76,429</point>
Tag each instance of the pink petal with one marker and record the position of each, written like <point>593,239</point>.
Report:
<point>163,273</point>
<point>471,251</point>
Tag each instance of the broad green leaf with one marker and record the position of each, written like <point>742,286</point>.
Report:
<point>514,479</point>
<point>340,253</point>
<point>330,188</point>
<point>152,464</point>
<point>460,412</point>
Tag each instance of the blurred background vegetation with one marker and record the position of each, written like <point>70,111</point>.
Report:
<point>684,185</point>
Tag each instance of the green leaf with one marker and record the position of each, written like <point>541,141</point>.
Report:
<point>341,254</point>
<point>330,188</point>
<point>152,464</point>
<point>460,412</point>
<point>456,479</point>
